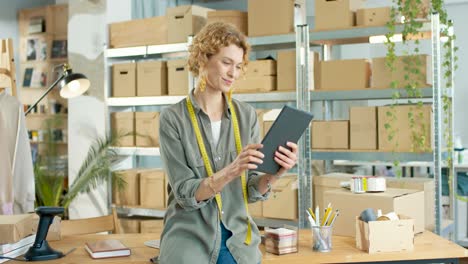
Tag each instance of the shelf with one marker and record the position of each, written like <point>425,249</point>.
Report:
<point>146,50</point>
<point>136,151</point>
<point>271,222</point>
<point>273,42</point>
<point>355,34</point>
<point>370,155</point>
<point>168,100</point>
<point>139,211</point>
<point>364,94</point>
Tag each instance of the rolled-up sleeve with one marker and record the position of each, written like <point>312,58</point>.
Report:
<point>183,181</point>
<point>254,177</point>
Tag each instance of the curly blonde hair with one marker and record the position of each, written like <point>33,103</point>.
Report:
<point>210,40</point>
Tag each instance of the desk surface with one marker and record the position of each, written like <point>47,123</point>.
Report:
<point>427,246</point>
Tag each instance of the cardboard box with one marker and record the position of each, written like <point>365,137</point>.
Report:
<point>327,182</point>
<point>15,227</point>
<point>402,201</point>
<point>373,16</point>
<point>330,134</point>
<point>422,184</point>
<point>385,236</point>
<point>151,226</point>
<point>282,203</point>
<point>184,21</point>
<point>152,189</point>
<point>234,17</point>
<point>178,77</point>
<point>123,123</point>
<point>151,78</point>
<point>286,61</point>
<point>260,68</point>
<point>363,128</point>
<point>54,233</point>
<point>130,194</point>
<point>138,32</point>
<point>256,209</point>
<point>130,226</point>
<point>266,126</point>
<point>124,80</point>
<point>382,77</point>
<point>344,74</point>
<point>404,139</point>
<point>335,14</point>
<point>255,84</point>
<point>147,127</point>
<point>271,17</point>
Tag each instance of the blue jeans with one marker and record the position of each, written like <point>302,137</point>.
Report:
<point>225,256</point>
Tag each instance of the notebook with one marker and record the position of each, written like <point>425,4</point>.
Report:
<point>107,249</point>
<point>288,126</point>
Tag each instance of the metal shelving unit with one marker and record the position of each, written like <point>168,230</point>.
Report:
<point>363,35</point>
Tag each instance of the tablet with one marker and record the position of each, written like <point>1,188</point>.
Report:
<point>289,126</point>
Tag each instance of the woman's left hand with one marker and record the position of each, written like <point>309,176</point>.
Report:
<point>286,158</point>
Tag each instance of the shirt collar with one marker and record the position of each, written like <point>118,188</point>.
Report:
<point>197,108</point>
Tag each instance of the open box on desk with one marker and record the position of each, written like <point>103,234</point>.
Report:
<point>385,236</point>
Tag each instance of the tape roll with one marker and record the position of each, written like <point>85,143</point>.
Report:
<point>376,184</point>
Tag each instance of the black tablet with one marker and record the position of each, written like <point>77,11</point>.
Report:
<point>289,126</point>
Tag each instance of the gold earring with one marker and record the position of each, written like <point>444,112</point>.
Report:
<point>202,83</point>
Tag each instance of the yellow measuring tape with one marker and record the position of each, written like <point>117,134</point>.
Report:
<point>208,167</point>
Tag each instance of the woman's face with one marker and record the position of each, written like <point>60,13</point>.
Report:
<point>224,68</point>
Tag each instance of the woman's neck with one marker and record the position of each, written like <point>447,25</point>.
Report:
<point>211,101</point>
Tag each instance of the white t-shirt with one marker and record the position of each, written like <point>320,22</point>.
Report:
<point>216,131</point>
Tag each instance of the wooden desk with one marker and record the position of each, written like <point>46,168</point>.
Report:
<point>428,247</point>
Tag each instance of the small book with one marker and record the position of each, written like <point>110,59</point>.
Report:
<point>109,248</point>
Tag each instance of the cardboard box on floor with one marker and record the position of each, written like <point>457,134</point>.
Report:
<point>151,226</point>
<point>124,80</point>
<point>385,236</point>
<point>404,135</point>
<point>234,17</point>
<point>382,77</point>
<point>373,16</point>
<point>344,75</point>
<point>178,81</point>
<point>13,228</point>
<point>147,127</point>
<point>363,128</point>
<point>184,21</point>
<point>282,203</point>
<point>138,32</point>
<point>123,123</point>
<point>335,14</point>
<point>151,78</point>
<point>330,134</point>
<point>271,17</point>
<point>130,194</point>
<point>152,189</point>
<point>286,61</point>
<point>332,181</point>
<point>402,201</point>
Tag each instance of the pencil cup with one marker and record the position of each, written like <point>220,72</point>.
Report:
<point>322,238</point>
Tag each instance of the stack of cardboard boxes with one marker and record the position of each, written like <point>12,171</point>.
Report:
<point>139,129</point>
<point>366,130</point>
<point>145,188</point>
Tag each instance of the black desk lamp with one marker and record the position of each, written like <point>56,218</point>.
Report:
<point>71,85</point>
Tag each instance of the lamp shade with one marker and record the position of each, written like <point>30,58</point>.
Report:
<point>73,84</point>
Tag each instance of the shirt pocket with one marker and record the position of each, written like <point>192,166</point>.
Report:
<point>198,166</point>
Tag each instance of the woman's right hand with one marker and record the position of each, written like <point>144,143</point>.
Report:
<point>246,160</point>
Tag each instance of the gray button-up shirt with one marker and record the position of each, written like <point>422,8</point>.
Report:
<point>192,231</point>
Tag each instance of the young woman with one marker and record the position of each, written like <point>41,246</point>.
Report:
<point>210,150</point>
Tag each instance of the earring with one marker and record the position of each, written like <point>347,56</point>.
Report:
<point>202,83</point>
